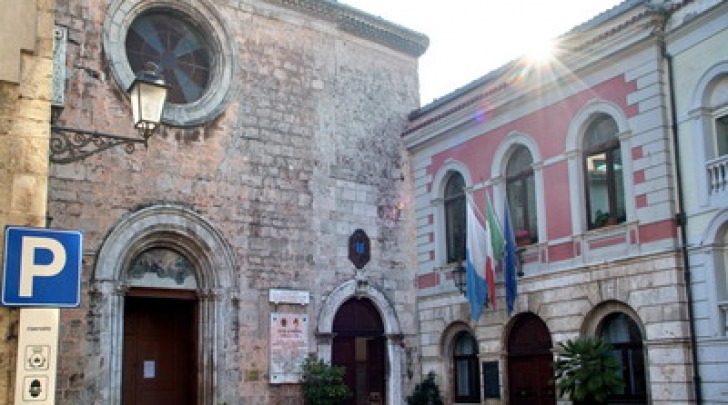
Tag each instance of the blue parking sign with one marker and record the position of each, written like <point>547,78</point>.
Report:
<point>42,267</point>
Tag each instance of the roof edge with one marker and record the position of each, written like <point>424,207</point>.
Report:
<point>362,24</point>
<point>493,75</point>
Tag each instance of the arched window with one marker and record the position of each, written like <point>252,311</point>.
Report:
<point>521,191</point>
<point>465,366</point>
<point>603,173</point>
<point>721,270</point>
<point>718,105</point>
<point>624,335</point>
<point>455,217</point>
<point>721,134</point>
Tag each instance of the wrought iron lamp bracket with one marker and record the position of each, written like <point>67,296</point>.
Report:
<point>71,145</point>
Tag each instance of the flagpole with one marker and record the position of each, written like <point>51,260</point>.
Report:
<point>469,195</point>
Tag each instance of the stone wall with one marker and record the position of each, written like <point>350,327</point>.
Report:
<point>24,125</point>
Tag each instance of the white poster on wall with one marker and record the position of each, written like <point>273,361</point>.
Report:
<point>288,346</point>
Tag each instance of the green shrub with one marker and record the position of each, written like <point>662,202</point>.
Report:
<point>426,392</point>
<point>323,384</point>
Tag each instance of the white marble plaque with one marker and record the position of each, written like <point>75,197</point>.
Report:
<point>288,346</point>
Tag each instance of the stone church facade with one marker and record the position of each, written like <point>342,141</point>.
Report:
<point>222,250</point>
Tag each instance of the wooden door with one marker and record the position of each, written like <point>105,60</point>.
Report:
<point>530,372</point>
<point>376,369</point>
<point>159,352</point>
<point>344,355</point>
<point>360,347</point>
<point>533,383</point>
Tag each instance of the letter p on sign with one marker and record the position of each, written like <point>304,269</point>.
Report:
<point>42,267</point>
<point>29,269</point>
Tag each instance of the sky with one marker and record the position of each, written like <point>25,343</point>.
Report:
<point>469,38</point>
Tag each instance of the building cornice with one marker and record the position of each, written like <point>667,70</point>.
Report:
<point>362,25</point>
<point>614,30</point>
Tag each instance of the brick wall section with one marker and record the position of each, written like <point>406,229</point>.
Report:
<point>305,154</point>
<point>24,125</point>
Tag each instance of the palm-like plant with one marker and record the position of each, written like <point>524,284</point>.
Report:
<point>587,371</point>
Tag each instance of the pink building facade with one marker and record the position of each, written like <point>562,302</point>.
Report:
<point>580,147</point>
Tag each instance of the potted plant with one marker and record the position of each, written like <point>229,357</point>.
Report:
<point>587,371</point>
<point>323,384</point>
<point>523,238</point>
<point>601,219</point>
<point>426,392</point>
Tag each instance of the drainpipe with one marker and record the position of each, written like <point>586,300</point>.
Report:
<point>681,218</point>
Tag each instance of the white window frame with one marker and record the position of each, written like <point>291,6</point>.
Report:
<point>574,155</point>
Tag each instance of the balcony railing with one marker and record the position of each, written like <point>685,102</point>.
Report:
<point>717,175</point>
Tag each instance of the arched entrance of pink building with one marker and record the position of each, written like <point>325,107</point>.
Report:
<point>530,372</point>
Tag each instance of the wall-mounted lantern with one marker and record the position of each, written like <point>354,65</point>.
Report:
<point>147,93</point>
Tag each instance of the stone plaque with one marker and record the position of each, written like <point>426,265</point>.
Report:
<point>277,296</point>
<point>288,346</point>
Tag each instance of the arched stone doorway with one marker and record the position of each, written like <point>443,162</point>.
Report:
<point>359,347</point>
<point>391,338</point>
<point>530,371</point>
<point>204,291</point>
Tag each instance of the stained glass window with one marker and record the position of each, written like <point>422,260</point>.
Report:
<point>177,47</point>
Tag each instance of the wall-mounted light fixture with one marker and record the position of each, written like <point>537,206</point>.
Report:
<point>458,277</point>
<point>148,94</point>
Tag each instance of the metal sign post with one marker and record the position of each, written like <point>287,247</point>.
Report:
<point>42,269</point>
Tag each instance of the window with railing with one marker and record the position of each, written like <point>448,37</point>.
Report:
<point>717,168</point>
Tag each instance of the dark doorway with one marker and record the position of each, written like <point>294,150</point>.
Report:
<point>159,351</point>
<point>359,346</point>
<point>530,372</point>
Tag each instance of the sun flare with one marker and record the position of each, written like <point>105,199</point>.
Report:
<point>541,51</point>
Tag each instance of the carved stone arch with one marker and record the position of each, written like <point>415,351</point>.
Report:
<point>594,318</point>
<point>360,288</point>
<point>713,233</point>
<point>583,118</point>
<point>173,225</point>
<point>442,175</point>
<point>702,92</point>
<point>506,148</point>
<point>186,231</point>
